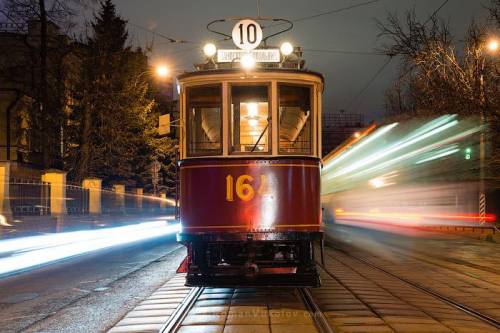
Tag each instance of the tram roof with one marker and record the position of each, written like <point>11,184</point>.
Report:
<point>257,70</point>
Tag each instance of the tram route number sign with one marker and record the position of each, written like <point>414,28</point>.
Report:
<point>261,55</point>
<point>247,34</point>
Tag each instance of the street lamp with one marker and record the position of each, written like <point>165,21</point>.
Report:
<point>493,45</point>
<point>162,71</point>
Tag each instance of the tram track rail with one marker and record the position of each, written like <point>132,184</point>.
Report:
<point>176,319</point>
<point>462,307</point>
<point>317,315</point>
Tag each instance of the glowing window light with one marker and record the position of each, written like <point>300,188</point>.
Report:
<point>252,109</point>
<point>253,122</point>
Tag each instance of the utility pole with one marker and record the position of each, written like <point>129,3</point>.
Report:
<point>482,145</point>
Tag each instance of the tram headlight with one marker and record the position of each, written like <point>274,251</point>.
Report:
<point>286,48</point>
<point>210,50</point>
<point>247,62</point>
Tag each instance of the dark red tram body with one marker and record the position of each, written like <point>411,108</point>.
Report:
<point>288,200</point>
<point>250,176</point>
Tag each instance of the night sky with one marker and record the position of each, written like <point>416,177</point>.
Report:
<point>350,30</point>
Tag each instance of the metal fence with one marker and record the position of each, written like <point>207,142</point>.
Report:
<point>77,200</point>
<point>29,197</point>
<point>126,203</point>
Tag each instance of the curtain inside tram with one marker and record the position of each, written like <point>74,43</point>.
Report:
<point>204,115</point>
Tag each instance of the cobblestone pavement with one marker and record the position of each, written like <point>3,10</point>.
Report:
<point>469,276</point>
<point>359,298</point>
<point>355,297</point>
<point>218,310</point>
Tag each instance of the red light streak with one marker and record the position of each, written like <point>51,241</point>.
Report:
<point>417,217</point>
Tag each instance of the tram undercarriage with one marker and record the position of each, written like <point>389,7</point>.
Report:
<point>277,259</point>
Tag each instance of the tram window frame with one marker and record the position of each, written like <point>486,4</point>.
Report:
<point>311,117</point>
<point>230,140</point>
<point>189,151</point>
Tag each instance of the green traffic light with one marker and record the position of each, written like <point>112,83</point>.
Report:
<point>468,153</point>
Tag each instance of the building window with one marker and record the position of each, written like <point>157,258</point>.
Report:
<point>204,115</point>
<point>295,130</point>
<point>250,131</point>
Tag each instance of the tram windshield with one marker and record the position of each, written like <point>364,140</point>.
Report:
<point>250,130</point>
<point>204,105</point>
<point>295,119</point>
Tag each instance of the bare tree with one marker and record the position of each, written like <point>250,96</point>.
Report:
<point>494,10</point>
<point>437,76</point>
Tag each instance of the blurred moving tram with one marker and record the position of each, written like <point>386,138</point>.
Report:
<point>250,170</point>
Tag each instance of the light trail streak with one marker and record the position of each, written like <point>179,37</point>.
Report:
<point>378,133</point>
<point>439,154</point>
<point>434,183</point>
<point>415,216</point>
<point>20,254</point>
<point>414,138</point>
<point>3,221</point>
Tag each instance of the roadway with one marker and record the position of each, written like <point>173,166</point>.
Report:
<point>392,280</point>
<point>87,293</point>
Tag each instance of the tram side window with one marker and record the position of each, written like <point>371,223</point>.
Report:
<point>250,130</point>
<point>204,113</point>
<point>295,130</point>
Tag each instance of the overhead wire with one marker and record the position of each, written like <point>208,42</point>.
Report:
<point>436,11</point>
<point>334,11</point>
<point>366,53</point>
<point>170,39</point>
<point>367,85</point>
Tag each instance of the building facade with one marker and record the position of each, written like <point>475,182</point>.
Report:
<point>20,109</point>
<point>339,126</point>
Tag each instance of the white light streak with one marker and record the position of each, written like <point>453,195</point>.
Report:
<point>378,133</point>
<point>414,138</point>
<point>439,154</point>
<point>20,254</point>
<point>3,221</point>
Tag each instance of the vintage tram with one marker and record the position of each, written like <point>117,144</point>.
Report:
<point>250,168</point>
